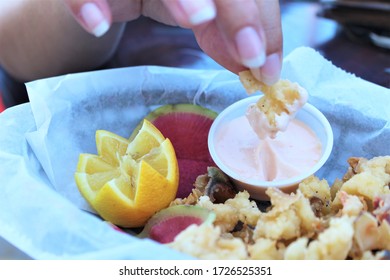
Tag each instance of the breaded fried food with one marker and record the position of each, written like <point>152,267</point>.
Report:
<point>333,243</point>
<point>318,193</point>
<point>266,249</point>
<point>276,108</point>
<point>290,216</point>
<point>351,222</point>
<point>367,179</point>
<point>206,242</point>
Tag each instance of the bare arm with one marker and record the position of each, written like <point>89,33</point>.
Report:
<point>40,38</point>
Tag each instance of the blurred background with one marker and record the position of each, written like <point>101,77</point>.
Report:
<point>353,34</point>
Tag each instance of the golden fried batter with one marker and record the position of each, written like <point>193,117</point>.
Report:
<point>350,222</point>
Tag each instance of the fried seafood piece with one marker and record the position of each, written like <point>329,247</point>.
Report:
<point>248,211</point>
<point>377,165</point>
<point>334,243</point>
<point>234,211</point>
<point>382,208</point>
<point>207,242</point>
<point>367,179</point>
<point>276,108</point>
<point>227,216</point>
<point>291,216</point>
<point>335,188</point>
<point>353,205</point>
<point>370,231</point>
<point>370,235</point>
<point>266,249</point>
<point>350,220</point>
<point>318,193</point>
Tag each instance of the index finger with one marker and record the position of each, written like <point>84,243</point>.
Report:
<point>253,36</point>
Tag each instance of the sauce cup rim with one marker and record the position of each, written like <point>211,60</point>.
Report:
<point>312,110</point>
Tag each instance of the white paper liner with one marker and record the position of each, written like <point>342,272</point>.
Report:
<point>40,206</point>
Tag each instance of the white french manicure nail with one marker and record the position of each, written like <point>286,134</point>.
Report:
<point>199,11</point>
<point>94,19</point>
<point>250,47</point>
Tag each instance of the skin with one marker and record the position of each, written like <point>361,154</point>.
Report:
<point>40,38</point>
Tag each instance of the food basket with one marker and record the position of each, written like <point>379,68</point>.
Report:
<point>41,211</point>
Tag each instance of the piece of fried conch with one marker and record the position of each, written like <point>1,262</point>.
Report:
<point>276,108</point>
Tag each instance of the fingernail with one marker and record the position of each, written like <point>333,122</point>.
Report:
<point>256,73</point>
<point>250,47</point>
<point>94,19</point>
<point>270,72</point>
<point>199,11</point>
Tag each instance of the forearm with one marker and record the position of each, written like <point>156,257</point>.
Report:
<point>40,38</point>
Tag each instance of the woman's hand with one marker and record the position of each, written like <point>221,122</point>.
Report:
<point>238,34</point>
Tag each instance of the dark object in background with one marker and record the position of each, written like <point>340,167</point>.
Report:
<point>12,92</point>
<point>362,20</point>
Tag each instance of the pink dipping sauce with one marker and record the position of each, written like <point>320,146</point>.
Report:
<point>289,154</point>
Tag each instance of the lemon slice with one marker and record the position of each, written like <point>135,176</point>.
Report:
<point>127,182</point>
<point>110,147</point>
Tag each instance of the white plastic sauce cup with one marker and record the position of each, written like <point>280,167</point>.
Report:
<point>308,114</point>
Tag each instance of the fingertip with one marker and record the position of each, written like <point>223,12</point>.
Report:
<point>198,12</point>
<point>101,28</point>
<point>204,15</point>
<point>270,72</point>
<point>94,19</point>
<point>250,47</point>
